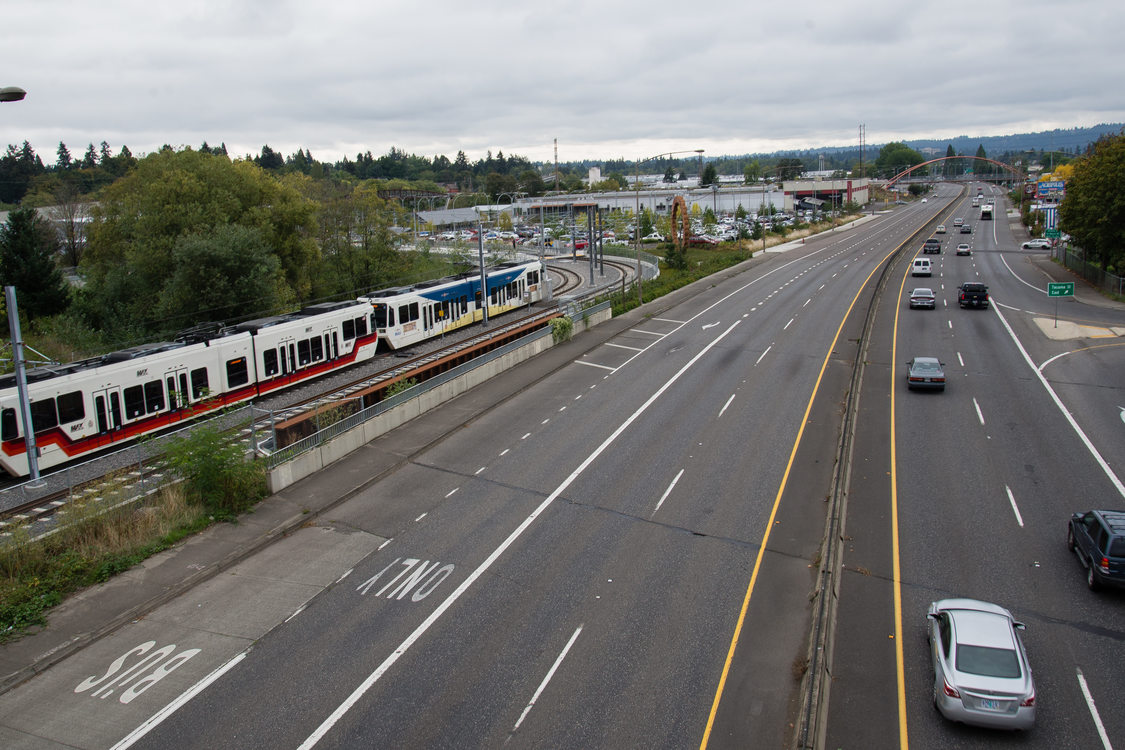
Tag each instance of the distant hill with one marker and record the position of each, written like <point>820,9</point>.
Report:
<point>1070,140</point>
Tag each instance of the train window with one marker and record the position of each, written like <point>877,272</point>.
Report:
<point>407,313</point>
<point>317,349</point>
<point>349,330</point>
<point>134,402</point>
<point>302,352</point>
<point>43,415</point>
<point>465,304</point>
<point>9,429</point>
<point>379,315</point>
<point>360,326</point>
<point>72,407</point>
<point>237,372</point>
<point>154,397</point>
<point>199,382</point>
<point>269,362</point>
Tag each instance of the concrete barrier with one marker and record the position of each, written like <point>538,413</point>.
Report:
<point>319,457</point>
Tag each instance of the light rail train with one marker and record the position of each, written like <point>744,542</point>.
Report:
<point>86,406</point>
<point>408,314</point>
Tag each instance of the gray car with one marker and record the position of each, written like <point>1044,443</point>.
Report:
<point>981,673</point>
<point>922,297</point>
<point>925,373</point>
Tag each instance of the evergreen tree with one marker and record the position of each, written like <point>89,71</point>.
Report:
<point>90,159</point>
<point>27,244</point>
<point>63,160</point>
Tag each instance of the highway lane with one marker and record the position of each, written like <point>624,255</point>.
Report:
<point>983,479</point>
<point>566,570</point>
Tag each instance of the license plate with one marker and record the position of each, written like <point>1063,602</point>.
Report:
<point>991,705</point>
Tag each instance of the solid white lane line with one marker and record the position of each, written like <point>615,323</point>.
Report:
<point>594,364</point>
<point>155,720</point>
<point>1062,407</point>
<point>980,416</point>
<point>726,405</point>
<point>547,678</point>
<point>622,346</point>
<point>472,578</point>
<point>1093,710</point>
<point>667,492</point>
<point>1015,508</point>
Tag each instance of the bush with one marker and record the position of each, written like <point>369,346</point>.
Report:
<point>215,472</point>
<point>562,328</point>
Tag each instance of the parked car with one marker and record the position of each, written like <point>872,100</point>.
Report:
<point>1098,538</point>
<point>964,249</point>
<point>981,672</point>
<point>940,229</point>
<point>1039,243</point>
<point>922,297</point>
<point>925,373</point>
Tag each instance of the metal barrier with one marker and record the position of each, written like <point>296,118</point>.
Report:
<point>1093,273</point>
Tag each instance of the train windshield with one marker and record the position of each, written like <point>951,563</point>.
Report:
<point>380,314</point>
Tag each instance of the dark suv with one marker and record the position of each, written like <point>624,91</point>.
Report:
<point>1098,538</point>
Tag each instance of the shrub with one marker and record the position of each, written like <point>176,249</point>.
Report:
<point>215,472</point>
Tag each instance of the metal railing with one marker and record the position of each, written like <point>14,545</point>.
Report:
<point>1074,259</point>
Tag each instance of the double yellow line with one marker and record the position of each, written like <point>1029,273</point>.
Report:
<point>773,514</point>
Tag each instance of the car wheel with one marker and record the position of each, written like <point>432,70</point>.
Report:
<point>1091,578</point>
<point>1070,538</point>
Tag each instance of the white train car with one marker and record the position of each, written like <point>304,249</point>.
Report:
<point>409,314</point>
<point>83,407</point>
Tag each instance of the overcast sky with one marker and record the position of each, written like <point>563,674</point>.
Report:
<point>608,79</point>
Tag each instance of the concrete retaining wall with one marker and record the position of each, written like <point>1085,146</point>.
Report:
<point>325,454</point>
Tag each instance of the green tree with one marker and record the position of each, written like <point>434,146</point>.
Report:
<point>896,157</point>
<point>27,244</point>
<point>947,166</point>
<point>752,172</point>
<point>170,195</point>
<point>229,272</point>
<point>1093,209</point>
<point>710,175</point>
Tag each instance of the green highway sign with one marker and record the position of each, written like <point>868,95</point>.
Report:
<point>1054,234</point>
<point>1060,289</point>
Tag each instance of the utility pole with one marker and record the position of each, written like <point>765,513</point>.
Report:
<point>21,384</point>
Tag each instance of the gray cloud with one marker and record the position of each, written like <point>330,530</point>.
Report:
<point>607,79</point>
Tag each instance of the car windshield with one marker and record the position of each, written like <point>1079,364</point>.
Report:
<point>988,662</point>
<point>923,293</point>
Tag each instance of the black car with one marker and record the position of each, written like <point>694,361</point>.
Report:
<point>966,229</point>
<point>1098,538</point>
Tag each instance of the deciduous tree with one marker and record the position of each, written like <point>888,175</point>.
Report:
<point>1093,209</point>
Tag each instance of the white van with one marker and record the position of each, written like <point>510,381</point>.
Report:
<point>921,267</point>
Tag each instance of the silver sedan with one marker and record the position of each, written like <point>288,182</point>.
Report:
<point>981,674</point>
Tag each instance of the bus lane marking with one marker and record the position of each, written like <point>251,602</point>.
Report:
<point>440,610</point>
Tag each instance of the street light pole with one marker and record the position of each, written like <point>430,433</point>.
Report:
<point>637,215</point>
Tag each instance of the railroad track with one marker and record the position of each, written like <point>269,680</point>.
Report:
<point>37,508</point>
